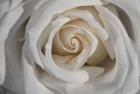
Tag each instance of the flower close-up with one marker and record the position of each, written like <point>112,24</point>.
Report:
<point>69,47</point>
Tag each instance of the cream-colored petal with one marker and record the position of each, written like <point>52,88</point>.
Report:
<point>92,10</point>
<point>63,61</point>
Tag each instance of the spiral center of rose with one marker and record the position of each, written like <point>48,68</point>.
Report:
<point>77,43</point>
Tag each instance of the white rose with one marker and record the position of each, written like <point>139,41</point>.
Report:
<point>70,47</point>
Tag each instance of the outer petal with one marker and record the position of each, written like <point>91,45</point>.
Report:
<point>132,9</point>
<point>6,24</point>
<point>12,42</point>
